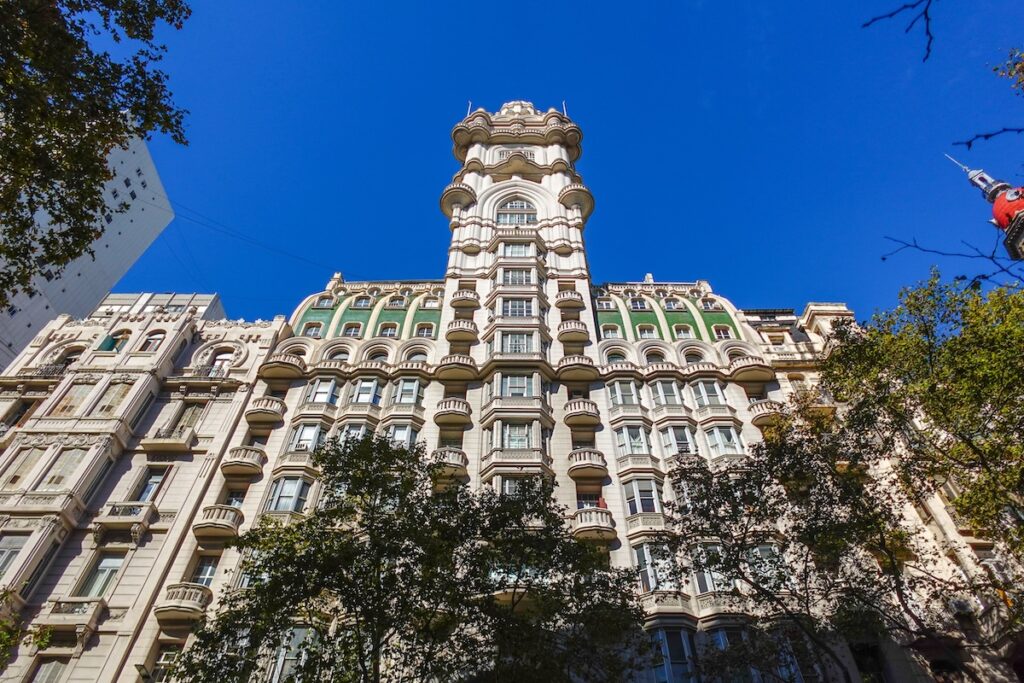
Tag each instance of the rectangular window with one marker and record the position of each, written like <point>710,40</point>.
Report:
<point>723,440</point>
<point>49,671</point>
<point>642,495</point>
<point>666,393</point>
<point>515,385</point>
<point>723,332</point>
<point>708,393</point>
<point>516,342</point>
<point>638,304</point>
<point>517,276</point>
<point>323,391</point>
<point>288,494</point>
<point>353,430</point>
<point>306,437</point>
<point>289,657</point>
<point>402,435</point>
<point>190,416</point>
<point>652,563</point>
<point>151,484</point>
<point>516,435</point>
<point>587,500</point>
<point>205,570</point>
<point>517,308</point>
<point>102,576</point>
<point>408,392</point>
<point>515,249</point>
<point>646,332</point>
<point>24,462</point>
<point>707,579</point>
<point>622,393</point>
<point>632,440</point>
<point>10,546</point>
<point>235,498</point>
<point>605,305</point>
<point>111,399</point>
<point>510,486</point>
<point>59,475</point>
<point>367,391</point>
<point>72,400</point>
<point>676,441</point>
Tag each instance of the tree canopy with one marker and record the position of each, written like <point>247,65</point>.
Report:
<point>401,574</point>
<point>64,105</point>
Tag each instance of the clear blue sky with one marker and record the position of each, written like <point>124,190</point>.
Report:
<point>765,147</point>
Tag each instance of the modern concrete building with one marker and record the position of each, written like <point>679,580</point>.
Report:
<point>141,438</point>
<point>85,281</point>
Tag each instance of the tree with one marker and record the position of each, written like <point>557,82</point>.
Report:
<point>13,631</point>
<point>64,105</point>
<point>400,574</point>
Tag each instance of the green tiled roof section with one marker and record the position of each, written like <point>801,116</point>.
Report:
<point>427,315</point>
<point>316,315</point>
<point>609,318</point>
<point>353,315</point>
<point>681,317</point>
<point>645,318</point>
<point>712,318</point>
<point>390,315</point>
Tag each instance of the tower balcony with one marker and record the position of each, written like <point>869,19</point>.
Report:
<point>265,410</point>
<point>456,366</point>
<point>593,524</point>
<point>462,331</point>
<point>456,195</point>
<point>183,602</point>
<point>577,369</point>
<point>283,366</point>
<point>582,412</point>
<point>452,411</point>
<point>765,411</point>
<point>569,300</point>
<point>243,461</point>
<point>465,298</point>
<point>577,194</point>
<point>750,369</point>
<point>587,463</point>
<point>218,522</point>
<point>572,331</point>
<point>454,461</point>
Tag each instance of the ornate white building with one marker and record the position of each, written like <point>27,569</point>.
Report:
<point>138,442</point>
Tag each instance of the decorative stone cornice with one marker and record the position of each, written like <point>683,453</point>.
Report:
<point>517,123</point>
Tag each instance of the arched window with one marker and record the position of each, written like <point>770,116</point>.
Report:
<point>116,341</point>
<point>362,302</point>
<point>396,302</point>
<point>417,356</point>
<point>312,330</point>
<point>610,332</point>
<point>153,341</point>
<point>299,351</point>
<point>378,357</point>
<point>516,212</point>
<point>70,356</point>
<point>615,357</point>
<point>431,302</point>
<point>692,357</point>
<point>425,330</point>
<point>352,329</point>
<point>324,302</point>
<point>736,354</point>
<point>220,362</point>
<point>709,305</point>
<point>387,330</point>
<point>655,357</point>
<point>338,354</point>
<point>683,332</point>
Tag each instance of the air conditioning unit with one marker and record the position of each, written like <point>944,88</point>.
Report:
<point>301,447</point>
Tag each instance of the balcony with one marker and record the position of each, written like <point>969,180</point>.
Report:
<point>765,411</point>
<point>711,604</point>
<point>453,461</point>
<point>134,516</point>
<point>265,410</point>
<point>712,412</point>
<point>452,411</point>
<point>593,524</point>
<point>620,369</point>
<point>462,331</point>
<point>169,440</point>
<point>298,457</point>
<point>644,523</point>
<point>665,602</point>
<point>587,463</point>
<point>243,461</point>
<point>664,411</point>
<point>639,463</point>
<point>465,298</point>
<point>661,369</point>
<point>577,369</point>
<point>702,369</point>
<point>582,412</point>
<point>456,366</point>
<point>750,369</point>
<point>53,370</point>
<point>572,331</point>
<point>515,459</point>
<point>283,366</point>
<point>373,367</point>
<point>218,522</point>
<point>78,614</point>
<point>628,411</point>
<point>569,300</point>
<point>183,602</point>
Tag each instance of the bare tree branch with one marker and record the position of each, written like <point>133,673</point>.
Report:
<point>988,136</point>
<point>1002,266</point>
<point>923,14</point>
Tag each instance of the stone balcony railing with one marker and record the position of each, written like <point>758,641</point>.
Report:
<point>465,298</point>
<point>582,412</point>
<point>265,410</point>
<point>183,602</point>
<point>243,461</point>
<point>452,411</point>
<point>587,463</point>
<point>454,461</point>
<point>569,299</point>
<point>593,524</point>
<point>218,522</point>
<point>283,366</point>
<point>462,330</point>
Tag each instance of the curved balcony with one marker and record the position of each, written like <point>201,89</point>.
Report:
<point>465,298</point>
<point>750,369</point>
<point>283,366</point>
<point>243,461</point>
<point>582,412</point>
<point>218,522</point>
<point>453,461</point>
<point>461,331</point>
<point>561,246</point>
<point>622,368</point>
<point>183,602</point>
<point>457,194</point>
<point>661,369</point>
<point>587,463</point>
<point>452,411</point>
<point>765,411</point>
<point>702,369</point>
<point>265,410</point>
<point>570,300</point>
<point>577,369</point>
<point>456,366</point>
<point>577,194</point>
<point>572,331</point>
<point>593,524</point>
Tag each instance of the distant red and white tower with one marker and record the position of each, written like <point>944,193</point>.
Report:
<point>1007,207</point>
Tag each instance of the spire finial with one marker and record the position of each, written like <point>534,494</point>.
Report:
<point>964,168</point>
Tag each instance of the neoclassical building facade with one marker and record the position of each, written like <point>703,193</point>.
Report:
<point>138,441</point>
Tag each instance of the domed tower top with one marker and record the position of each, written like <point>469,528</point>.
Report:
<point>1007,206</point>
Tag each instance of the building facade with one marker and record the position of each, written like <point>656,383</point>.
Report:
<point>85,281</point>
<point>142,438</point>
